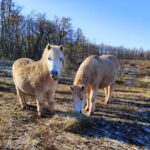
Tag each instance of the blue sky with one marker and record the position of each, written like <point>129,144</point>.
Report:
<point>113,22</point>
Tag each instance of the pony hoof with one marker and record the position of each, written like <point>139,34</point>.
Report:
<point>52,112</point>
<point>23,107</point>
<point>89,114</point>
<point>92,113</point>
<point>105,103</point>
<point>40,115</point>
<point>86,109</point>
<point>109,102</point>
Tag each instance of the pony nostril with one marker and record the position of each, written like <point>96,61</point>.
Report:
<point>54,73</point>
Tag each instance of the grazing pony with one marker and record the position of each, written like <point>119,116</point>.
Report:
<point>95,71</point>
<point>39,78</point>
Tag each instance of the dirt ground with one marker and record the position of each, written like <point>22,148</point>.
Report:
<point>122,124</point>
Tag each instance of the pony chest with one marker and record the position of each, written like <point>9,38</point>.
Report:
<point>49,87</point>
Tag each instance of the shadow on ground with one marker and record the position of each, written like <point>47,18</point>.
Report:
<point>130,133</point>
<point>6,87</point>
<point>122,120</point>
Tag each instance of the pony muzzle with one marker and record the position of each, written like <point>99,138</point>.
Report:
<point>54,75</point>
<point>78,111</point>
<point>78,105</point>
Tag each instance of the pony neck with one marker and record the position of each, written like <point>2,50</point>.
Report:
<point>80,80</point>
<point>43,64</point>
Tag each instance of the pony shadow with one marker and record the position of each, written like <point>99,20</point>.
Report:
<point>7,87</point>
<point>112,111</point>
<point>61,113</point>
<point>129,91</point>
<point>71,114</point>
<point>134,104</point>
<point>118,123</point>
<point>46,112</point>
<point>130,133</point>
<point>132,99</point>
<point>5,148</point>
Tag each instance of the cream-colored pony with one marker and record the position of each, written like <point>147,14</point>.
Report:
<point>94,72</point>
<point>39,78</point>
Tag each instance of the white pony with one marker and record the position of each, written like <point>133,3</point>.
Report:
<point>95,71</point>
<point>39,78</point>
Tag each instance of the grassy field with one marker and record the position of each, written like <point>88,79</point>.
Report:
<point>123,124</point>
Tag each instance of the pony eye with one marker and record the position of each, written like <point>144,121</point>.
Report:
<point>61,59</point>
<point>81,99</point>
<point>49,58</point>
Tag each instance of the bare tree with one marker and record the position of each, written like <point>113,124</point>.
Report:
<point>26,36</point>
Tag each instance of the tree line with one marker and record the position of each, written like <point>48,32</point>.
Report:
<point>26,36</point>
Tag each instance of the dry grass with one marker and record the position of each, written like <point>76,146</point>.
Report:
<point>123,124</point>
<point>142,65</point>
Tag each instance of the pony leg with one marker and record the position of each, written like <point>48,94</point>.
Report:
<point>87,99</point>
<point>106,94</point>
<point>21,96</point>
<point>51,102</point>
<point>92,101</point>
<point>40,104</point>
<point>109,93</point>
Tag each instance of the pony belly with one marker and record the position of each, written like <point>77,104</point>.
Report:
<point>105,83</point>
<point>25,87</point>
<point>28,90</point>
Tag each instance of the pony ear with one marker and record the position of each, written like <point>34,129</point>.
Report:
<point>48,46</point>
<point>82,87</point>
<point>71,87</point>
<point>61,47</point>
